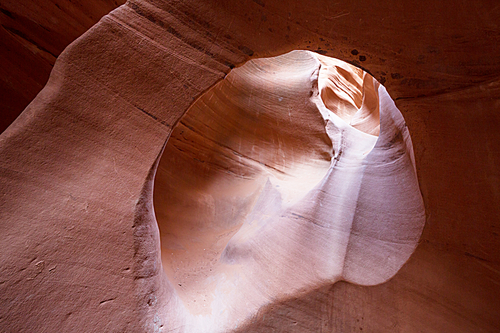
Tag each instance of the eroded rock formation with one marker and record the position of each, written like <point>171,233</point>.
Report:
<point>33,34</point>
<point>265,191</point>
<point>79,246</point>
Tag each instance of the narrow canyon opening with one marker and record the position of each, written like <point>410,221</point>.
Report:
<point>247,159</point>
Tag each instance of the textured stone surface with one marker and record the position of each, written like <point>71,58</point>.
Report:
<point>33,34</point>
<point>75,165</point>
<point>264,193</point>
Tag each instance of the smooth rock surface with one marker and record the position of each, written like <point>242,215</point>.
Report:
<point>76,186</point>
<point>33,34</point>
<point>264,193</point>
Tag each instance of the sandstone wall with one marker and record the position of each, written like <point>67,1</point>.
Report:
<point>76,213</point>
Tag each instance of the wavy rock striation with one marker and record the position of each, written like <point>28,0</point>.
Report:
<point>273,185</point>
<point>80,245</point>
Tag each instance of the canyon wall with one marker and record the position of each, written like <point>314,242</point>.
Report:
<point>80,244</point>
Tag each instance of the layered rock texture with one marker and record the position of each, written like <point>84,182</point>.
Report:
<point>33,34</point>
<point>286,189</point>
<point>263,192</point>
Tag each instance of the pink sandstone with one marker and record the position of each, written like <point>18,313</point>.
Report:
<point>80,248</point>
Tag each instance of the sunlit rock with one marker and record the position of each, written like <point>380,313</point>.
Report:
<point>274,184</point>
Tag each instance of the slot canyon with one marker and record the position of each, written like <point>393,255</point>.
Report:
<point>207,166</point>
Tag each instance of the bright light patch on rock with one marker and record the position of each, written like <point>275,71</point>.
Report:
<point>291,173</point>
